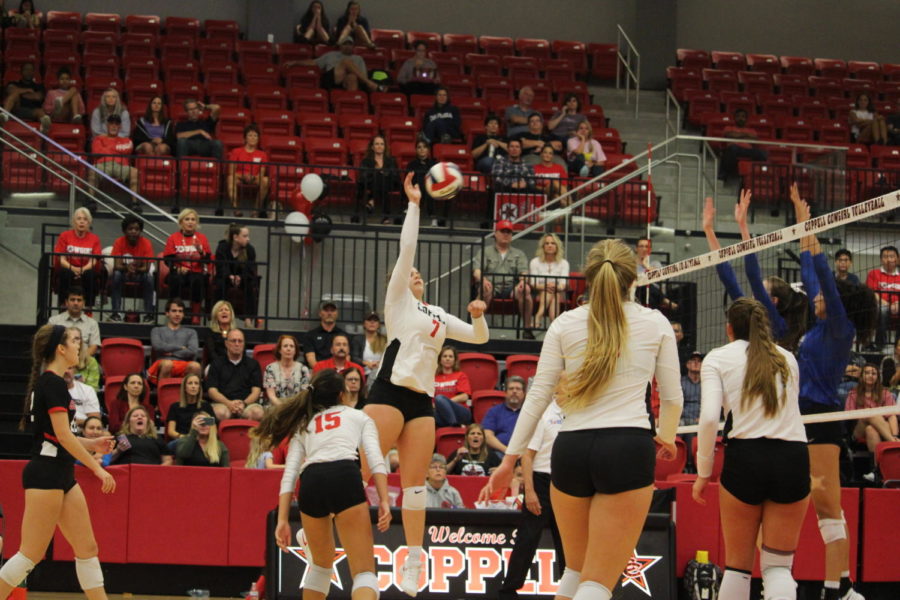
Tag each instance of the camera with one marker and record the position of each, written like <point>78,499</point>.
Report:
<point>208,421</point>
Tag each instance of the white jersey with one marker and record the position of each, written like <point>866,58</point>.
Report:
<point>721,379</point>
<point>416,331</point>
<point>334,434</point>
<point>544,436</point>
<point>649,352</point>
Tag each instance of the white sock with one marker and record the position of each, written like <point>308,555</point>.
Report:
<point>735,585</point>
<point>415,554</point>
<point>592,590</point>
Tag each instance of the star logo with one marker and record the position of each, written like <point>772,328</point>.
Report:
<point>339,555</point>
<point>634,573</point>
<point>509,211</point>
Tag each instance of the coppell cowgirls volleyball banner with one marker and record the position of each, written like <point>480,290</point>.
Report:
<point>467,552</point>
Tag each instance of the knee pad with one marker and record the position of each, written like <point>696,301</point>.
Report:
<point>90,575</point>
<point>16,569</point>
<point>832,530</point>
<point>568,583</point>
<point>414,498</point>
<point>778,583</point>
<point>366,579</point>
<point>318,579</point>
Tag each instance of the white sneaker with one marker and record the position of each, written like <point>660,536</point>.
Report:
<point>304,543</point>
<point>870,477</point>
<point>409,581</point>
<point>853,595</point>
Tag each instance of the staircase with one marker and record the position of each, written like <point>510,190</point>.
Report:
<point>19,256</point>
<point>15,367</point>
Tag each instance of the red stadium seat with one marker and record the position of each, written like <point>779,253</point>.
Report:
<point>604,58</point>
<point>60,19</point>
<point>632,203</point>
<point>275,122</point>
<point>755,83</point>
<point>326,151</point>
<point>388,38</point>
<point>811,108</point>
<point>609,140</point>
<point>121,356</point>
<point>471,108</point>
<point>499,46</point>
<point>228,95</point>
<point>157,176</point>
<point>449,63</point>
<point>321,125</point>
<point>448,439</point>
<point>887,456</point>
<point>534,47</point>
<point>861,69</point>
<point>693,59</point>
<point>95,86</point>
<point>483,401</point>
<point>254,52</point>
<point>284,149</point>
<point>220,74</point>
<point>286,178</point>
<point>264,354</point>
<point>798,65</point>
<point>520,66</point>
<point>481,369</point>
<point>59,41</point>
<point>826,87</point>
<point>399,129</point>
<point>286,51</point>
<point>358,127</point>
<point>891,71</point>
<point>858,157</point>
<point>574,52</point>
<point>183,26</point>
<point>595,115</point>
<point>775,105</point>
<point>389,104</point>
<point>796,129</point>
<point>70,137</point>
<point>558,69</point>
<point>143,24</point>
<point>496,86</point>
<point>235,434</point>
<point>306,100</point>
<point>432,40</point>
<point>460,42</point>
<point>732,61</point>
<point>720,80</point>
<point>232,120</point>
<point>521,365</point>
<point>840,107</point>
<point>261,75</point>
<point>832,131</point>
<point>886,157</point>
<point>349,102</point>
<point>699,103</point>
<point>732,101</point>
<point>267,97</point>
<point>139,93</point>
<point>830,67</point>
<point>767,63</point>
<point>102,22</point>
<point>215,50</point>
<point>855,87</point>
<point>199,180</point>
<point>459,85</point>
<point>168,392</point>
<point>667,468</point>
<point>221,29</point>
<point>484,64</point>
<point>682,79</point>
<point>455,153</point>
<point>791,85</point>
<point>763,125</point>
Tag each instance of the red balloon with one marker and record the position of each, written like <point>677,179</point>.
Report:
<point>300,204</point>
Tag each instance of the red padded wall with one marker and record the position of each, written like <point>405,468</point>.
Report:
<point>12,497</point>
<point>254,492</point>
<point>881,530</point>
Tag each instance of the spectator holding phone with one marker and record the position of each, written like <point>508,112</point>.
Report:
<point>190,402</point>
<point>419,74</point>
<point>201,447</point>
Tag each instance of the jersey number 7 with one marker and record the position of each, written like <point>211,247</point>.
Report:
<point>327,421</point>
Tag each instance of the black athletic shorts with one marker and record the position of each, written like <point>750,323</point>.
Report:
<point>326,80</point>
<point>330,488</point>
<point>824,433</point>
<point>602,461</point>
<point>412,404</point>
<point>47,473</point>
<point>763,469</point>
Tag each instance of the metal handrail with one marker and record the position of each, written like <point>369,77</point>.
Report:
<point>670,101</point>
<point>625,61</point>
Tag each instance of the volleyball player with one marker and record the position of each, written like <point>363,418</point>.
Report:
<point>765,476</point>
<point>323,453</point>
<point>400,399</point>
<point>603,460</point>
<point>52,496</point>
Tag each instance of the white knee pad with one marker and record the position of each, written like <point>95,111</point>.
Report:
<point>16,569</point>
<point>414,498</point>
<point>778,583</point>
<point>318,579</point>
<point>832,530</point>
<point>366,579</point>
<point>568,583</point>
<point>90,575</point>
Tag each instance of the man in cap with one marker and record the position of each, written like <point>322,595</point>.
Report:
<point>500,272</point>
<point>342,69</point>
<point>317,344</point>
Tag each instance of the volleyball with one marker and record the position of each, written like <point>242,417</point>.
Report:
<point>443,181</point>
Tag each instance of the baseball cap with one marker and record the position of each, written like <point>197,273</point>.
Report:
<point>372,316</point>
<point>326,303</point>
<point>114,119</point>
<point>696,354</point>
<point>503,224</point>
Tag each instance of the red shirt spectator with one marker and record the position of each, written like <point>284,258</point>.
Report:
<point>188,249</point>
<point>105,144</point>
<point>141,249</point>
<point>76,247</point>
<point>248,162</point>
<point>554,171</point>
<point>452,384</point>
<point>329,363</point>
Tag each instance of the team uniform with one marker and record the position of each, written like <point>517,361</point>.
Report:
<point>416,332</point>
<point>765,456</point>
<point>324,456</point>
<point>586,457</point>
<point>51,466</point>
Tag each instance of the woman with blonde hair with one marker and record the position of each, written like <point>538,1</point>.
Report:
<point>221,321</point>
<point>585,154</point>
<point>452,391</point>
<point>765,478</point>
<point>201,447</point>
<point>549,260</point>
<point>367,348</point>
<point>473,457</point>
<point>187,255</point>
<point>604,457</point>
<point>190,402</point>
<point>286,376</point>
<point>77,252</point>
<point>110,104</point>
<point>146,448</point>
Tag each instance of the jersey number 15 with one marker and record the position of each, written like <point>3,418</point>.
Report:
<point>327,421</point>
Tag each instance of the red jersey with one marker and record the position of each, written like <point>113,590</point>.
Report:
<point>554,171</point>
<point>143,249</point>
<point>886,285</point>
<point>75,247</point>
<point>248,162</point>
<point>187,249</point>
<point>452,384</point>
<point>105,144</point>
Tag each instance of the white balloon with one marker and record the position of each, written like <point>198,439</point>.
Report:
<point>312,186</point>
<point>297,225</point>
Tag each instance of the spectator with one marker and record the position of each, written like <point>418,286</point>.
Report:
<point>452,391</point>
<point>190,402</point>
<point>340,356</point>
<point>354,394</point>
<point>259,457</point>
<point>419,74</point>
<point>535,138</point>
<point>75,317</point>
<point>368,348</point>
<point>473,457</point>
<point>507,268</point>
<point>585,154</point>
<point>440,493</point>
<point>186,253</point>
<point>24,99</point>
<point>201,447</point>
<point>650,295</point>
<point>517,114</point>
<point>500,420</point>
<point>890,370</point>
<point>114,158</point>
<point>318,339</point>
<point>354,26</point>
<point>871,394</point>
<point>146,448</point>
<point>80,250</point>
<point>885,282</point>
<point>26,17</point>
<point>132,393</point>
<point>564,124</point>
<point>378,177</point>
<point>489,145</point>
<point>286,377</point>
<point>684,349</point>
<point>893,127</point>
<point>549,261</point>
<point>92,429</point>
<point>234,382</point>
<point>690,389</point>
<point>175,347</point>
<point>510,173</point>
<point>83,397</point>
<point>64,104</point>
<point>221,321</point>
<point>132,256</point>
<point>154,133</point>
<point>550,176</point>
<point>247,167</point>
<point>420,166</point>
<point>236,274</point>
<point>110,104</point>
<point>852,373</point>
<point>843,262</point>
<point>866,125</point>
<point>88,369</point>
<point>342,69</point>
<point>314,27</point>
<point>442,123</point>
<point>195,137</point>
<point>728,167</point>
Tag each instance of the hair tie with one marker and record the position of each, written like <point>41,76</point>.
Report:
<point>55,340</point>
<point>606,260</point>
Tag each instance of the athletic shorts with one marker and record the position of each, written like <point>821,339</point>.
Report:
<point>179,367</point>
<point>114,169</point>
<point>332,487</point>
<point>824,433</point>
<point>602,461</point>
<point>763,469</point>
<point>46,473</point>
<point>412,404</point>
<point>326,80</point>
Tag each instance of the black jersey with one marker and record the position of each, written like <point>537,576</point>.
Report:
<point>50,395</point>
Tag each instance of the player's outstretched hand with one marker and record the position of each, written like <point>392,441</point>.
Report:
<point>413,193</point>
<point>476,308</point>
<point>499,480</point>
<point>742,207</point>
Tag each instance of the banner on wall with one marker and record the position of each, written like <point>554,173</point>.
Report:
<point>512,207</point>
<point>467,552</point>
